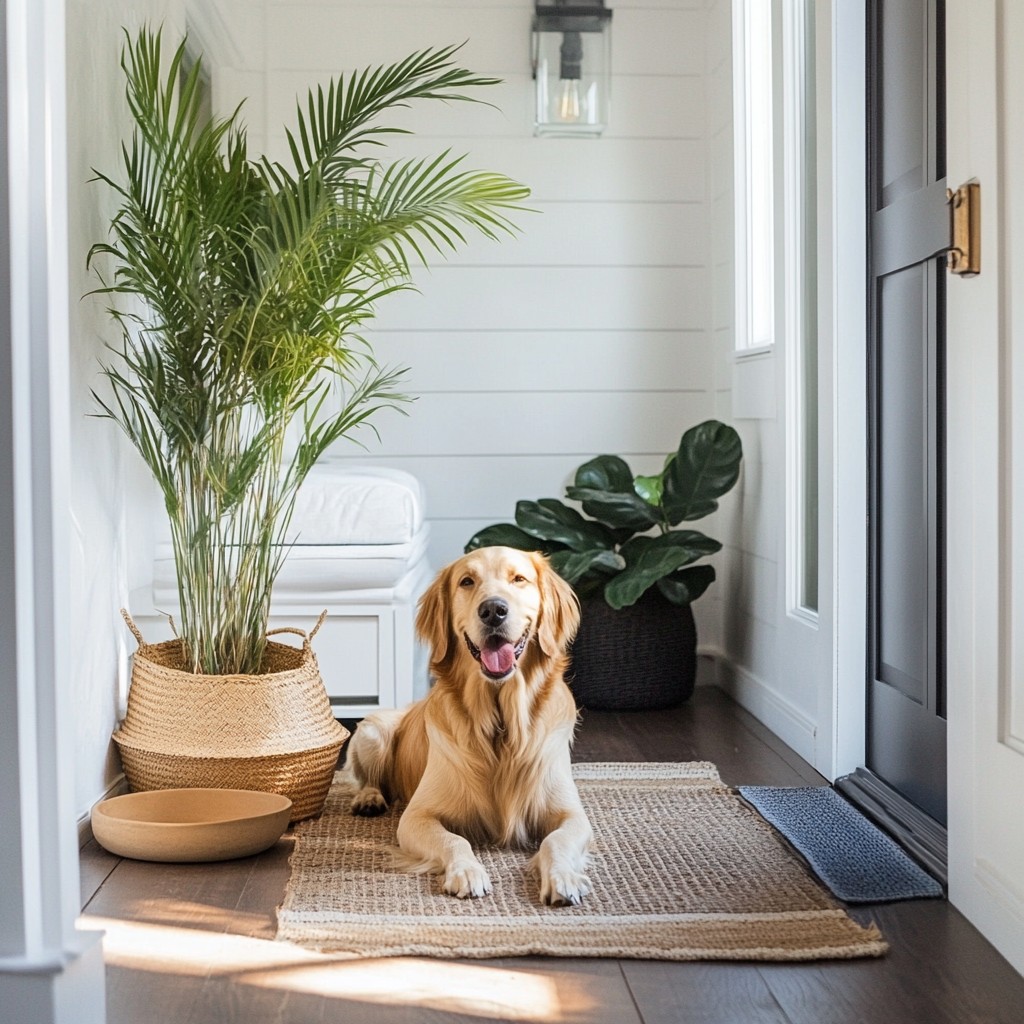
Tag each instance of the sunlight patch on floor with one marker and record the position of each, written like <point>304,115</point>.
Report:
<point>496,993</point>
<point>171,949</point>
<point>192,915</point>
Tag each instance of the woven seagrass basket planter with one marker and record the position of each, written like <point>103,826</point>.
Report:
<point>639,658</point>
<point>274,732</point>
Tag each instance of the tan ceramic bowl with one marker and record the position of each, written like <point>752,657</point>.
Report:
<point>190,824</point>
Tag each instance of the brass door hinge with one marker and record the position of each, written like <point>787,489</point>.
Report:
<point>964,256</point>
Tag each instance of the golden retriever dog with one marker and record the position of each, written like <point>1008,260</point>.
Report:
<point>484,758</point>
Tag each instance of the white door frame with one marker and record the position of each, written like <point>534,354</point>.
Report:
<point>842,283</point>
<point>49,972</point>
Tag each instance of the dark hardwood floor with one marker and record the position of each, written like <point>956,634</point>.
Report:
<point>191,944</point>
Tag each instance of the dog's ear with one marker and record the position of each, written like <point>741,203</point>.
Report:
<point>433,620</point>
<point>559,609</point>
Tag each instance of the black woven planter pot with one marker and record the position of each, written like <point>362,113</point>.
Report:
<point>633,659</point>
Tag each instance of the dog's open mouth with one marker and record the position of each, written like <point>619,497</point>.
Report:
<point>498,656</point>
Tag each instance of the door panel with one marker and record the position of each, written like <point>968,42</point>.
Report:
<point>903,71</point>
<point>908,226</point>
<point>902,658</point>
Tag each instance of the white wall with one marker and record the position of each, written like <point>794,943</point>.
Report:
<point>111,509</point>
<point>751,516</point>
<point>589,333</point>
<point>773,663</point>
<point>728,522</point>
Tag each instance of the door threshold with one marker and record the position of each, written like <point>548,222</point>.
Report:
<point>918,833</point>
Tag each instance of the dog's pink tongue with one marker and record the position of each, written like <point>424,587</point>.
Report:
<point>498,660</point>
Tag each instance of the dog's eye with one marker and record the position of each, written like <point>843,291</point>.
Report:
<point>466,581</point>
<point>519,579</point>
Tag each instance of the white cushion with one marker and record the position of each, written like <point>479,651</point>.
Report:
<point>320,572</point>
<point>326,572</point>
<point>343,504</point>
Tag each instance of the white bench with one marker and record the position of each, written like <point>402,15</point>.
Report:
<point>360,551</point>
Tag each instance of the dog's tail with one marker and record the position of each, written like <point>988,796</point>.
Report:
<point>369,761</point>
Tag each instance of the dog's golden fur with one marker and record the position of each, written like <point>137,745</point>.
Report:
<point>484,758</point>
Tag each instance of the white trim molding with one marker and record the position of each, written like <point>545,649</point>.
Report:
<point>49,972</point>
<point>795,728</point>
<point>846,320</point>
<point>118,787</point>
<point>797,294</point>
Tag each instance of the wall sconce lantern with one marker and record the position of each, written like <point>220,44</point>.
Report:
<point>572,50</point>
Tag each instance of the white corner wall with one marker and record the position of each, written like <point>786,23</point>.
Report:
<point>589,333</point>
<point>110,492</point>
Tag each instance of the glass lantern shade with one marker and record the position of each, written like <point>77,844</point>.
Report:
<point>571,66</point>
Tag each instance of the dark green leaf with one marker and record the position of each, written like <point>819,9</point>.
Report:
<point>507,535</point>
<point>605,473</point>
<point>695,543</point>
<point>706,465</point>
<point>550,520</point>
<point>686,585</point>
<point>572,566</point>
<point>605,488</point>
<point>650,559</point>
<point>618,509</point>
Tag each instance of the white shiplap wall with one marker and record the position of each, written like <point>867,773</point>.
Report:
<point>746,602</point>
<point>111,511</point>
<point>750,605</point>
<point>592,331</point>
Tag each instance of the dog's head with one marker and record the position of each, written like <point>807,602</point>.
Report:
<point>501,608</point>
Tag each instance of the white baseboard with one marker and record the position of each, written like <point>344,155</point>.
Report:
<point>116,788</point>
<point>766,704</point>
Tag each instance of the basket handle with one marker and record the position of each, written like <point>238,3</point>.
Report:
<point>307,638</point>
<point>136,632</point>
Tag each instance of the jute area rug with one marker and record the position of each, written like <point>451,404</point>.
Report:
<point>682,869</point>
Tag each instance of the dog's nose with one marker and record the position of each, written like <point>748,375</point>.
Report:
<point>493,611</point>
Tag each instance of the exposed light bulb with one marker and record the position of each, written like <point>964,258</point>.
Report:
<point>571,53</point>
<point>569,99</point>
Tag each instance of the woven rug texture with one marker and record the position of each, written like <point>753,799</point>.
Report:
<point>851,855</point>
<point>682,868</point>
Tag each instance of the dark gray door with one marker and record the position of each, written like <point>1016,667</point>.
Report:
<point>908,230</point>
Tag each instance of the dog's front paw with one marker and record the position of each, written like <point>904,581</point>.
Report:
<point>369,802</point>
<point>466,879</point>
<point>563,888</point>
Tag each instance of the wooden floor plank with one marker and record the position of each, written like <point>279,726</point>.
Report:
<point>136,996</point>
<point>229,1000</point>
<point>701,993</point>
<point>588,991</point>
<point>201,897</point>
<point>805,772</point>
<point>601,738</point>
<point>95,864</point>
<point>708,727</point>
<point>264,888</point>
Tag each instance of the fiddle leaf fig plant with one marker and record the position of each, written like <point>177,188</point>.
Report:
<point>243,283</point>
<point>631,541</point>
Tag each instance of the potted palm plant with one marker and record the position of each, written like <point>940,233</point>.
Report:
<point>243,283</point>
<point>631,565</point>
